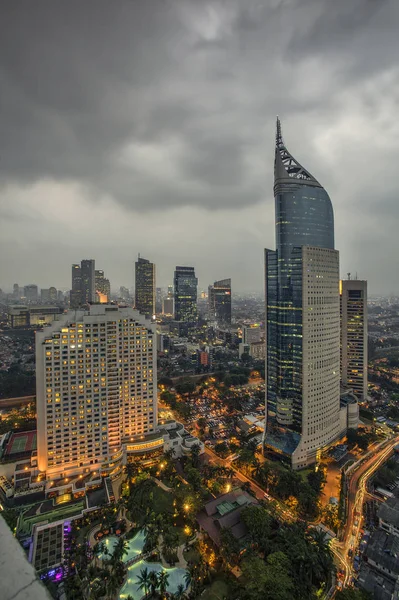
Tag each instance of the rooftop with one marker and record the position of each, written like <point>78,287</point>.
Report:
<point>383,549</point>
<point>225,512</point>
<point>389,512</point>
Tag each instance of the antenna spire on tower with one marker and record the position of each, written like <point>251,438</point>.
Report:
<point>279,135</point>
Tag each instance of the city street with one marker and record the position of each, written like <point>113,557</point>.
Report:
<point>356,492</point>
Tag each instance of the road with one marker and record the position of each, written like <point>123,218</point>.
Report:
<point>356,493</point>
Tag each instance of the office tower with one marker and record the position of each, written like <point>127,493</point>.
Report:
<point>158,300</point>
<point>353,293</point>
<point>52,292</point>
<point>185,284</point>
<point>170,291</point>
<point>48,295</point>
<point>103,287</point>
<point>88,282</point>
<point>75,299</point>
<point>145,287</point>
<point>31,293</point>
<point>167,306</point>
<point>60,296</point>
<point>124,293</point>
<point>302,317</point>
<point>44,295</point>
<point>251,334</point>
<point>96,389</point>
<point>219,301</point>
<point>16,292</point>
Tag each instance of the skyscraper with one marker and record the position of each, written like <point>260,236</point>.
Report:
<point>145,287</point>
<point>31,293</point>
<point>219,301</point>
<point>96,389</point>
<point>103,287</point>
<point>83,289</point>
<point>88,283</point>
<point>185,284</point>
<point>76,290</point>
<point>354,336</point>
<point>302,317</point>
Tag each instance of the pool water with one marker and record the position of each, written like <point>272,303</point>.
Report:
<point>135,545</point>
<point>176,577</point>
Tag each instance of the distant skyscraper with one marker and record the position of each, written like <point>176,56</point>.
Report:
<point>76,290</point>
<point>53,294</point>
<point>83,289</point>
<point>96,390</point>
<point>145,287</point>
<point>302,317</point>
<point>103,287</point>
<point>219,301</point>
<point>88,285</point>
<point>354,336</point>
<point>167,306</point>
<point>185,286</point>
<point>16,292</point>
<point>44,295</point>
<point>31,293</point>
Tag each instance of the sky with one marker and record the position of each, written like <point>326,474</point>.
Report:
<point>147,127</point>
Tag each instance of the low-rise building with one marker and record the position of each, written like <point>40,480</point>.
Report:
<point>224,512</point>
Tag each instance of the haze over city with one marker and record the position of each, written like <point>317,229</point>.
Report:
<point>148,127</point>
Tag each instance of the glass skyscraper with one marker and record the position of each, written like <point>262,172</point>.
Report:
<point>145,287</point>
<point>219,302</point>
<point>185,286</point>
<point>302,317</point>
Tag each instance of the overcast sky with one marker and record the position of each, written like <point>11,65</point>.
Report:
<point>147,126</point>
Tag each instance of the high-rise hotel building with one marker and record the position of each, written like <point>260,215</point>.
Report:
<point>302,317</point>
<point>96,389</point>
<point>354,336</point>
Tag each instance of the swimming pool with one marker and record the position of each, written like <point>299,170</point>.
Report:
<point>135,545</point>
<point>176,577</point>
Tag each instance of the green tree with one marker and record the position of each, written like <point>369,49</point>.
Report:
<point>229,546</point>
<point>268,582</point>
<point>163,580</point>
<point>143,579</point>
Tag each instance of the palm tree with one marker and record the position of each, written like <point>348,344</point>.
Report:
<point>179,595</point>
<point>188,577</point>
<point>154,582</point>
<point>143,580</point>
<point>120,549</point>
<point>163,580</point>
<point>113,585</point>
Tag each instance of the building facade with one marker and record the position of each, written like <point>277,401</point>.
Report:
<point>83,290</point>
<point>302,317</point>
<point>219,301</point>
<point>185,295</point>
<point>353,296</point>
<point>75,299</point>
<point>88,281</point>
<point>145,290</point>
<point>31,293</point>
<point>103,287</point>
<point>96,389</point>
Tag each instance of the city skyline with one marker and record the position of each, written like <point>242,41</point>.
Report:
<point>176,140</point>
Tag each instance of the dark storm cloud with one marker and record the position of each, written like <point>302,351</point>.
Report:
<point>162,107</point>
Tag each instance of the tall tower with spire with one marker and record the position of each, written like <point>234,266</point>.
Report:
<point>302,317</point>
